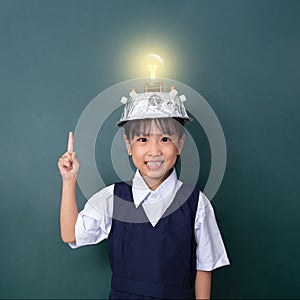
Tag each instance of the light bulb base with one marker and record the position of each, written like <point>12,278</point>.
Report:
<point>153,86</point>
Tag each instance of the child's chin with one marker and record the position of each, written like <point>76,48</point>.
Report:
<point>157,172</point>
<point>156,176</point>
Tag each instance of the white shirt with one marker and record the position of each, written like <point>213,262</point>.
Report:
<point>94,221</point>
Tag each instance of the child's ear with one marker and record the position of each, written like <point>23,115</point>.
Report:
<point>180,144</point>
<point>127,143</point>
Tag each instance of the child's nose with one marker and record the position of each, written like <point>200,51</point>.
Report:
<point>154,148</point>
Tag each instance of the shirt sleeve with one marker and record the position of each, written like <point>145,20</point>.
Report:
<point>210,251</point>
<point>94,222</point>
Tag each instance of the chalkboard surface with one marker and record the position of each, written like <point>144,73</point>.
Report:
<point>241,56</point>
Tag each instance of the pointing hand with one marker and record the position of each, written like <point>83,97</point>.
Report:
<point>68,164</point>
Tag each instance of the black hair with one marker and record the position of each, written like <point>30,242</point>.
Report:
<point>165,125</point>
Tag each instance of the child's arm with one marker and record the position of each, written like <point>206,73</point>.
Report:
<point>68,166</point>
<point>203,284</point>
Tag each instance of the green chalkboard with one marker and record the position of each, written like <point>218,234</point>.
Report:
<point>241,56</point>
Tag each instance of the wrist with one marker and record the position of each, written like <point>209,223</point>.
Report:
<point>70,181</point>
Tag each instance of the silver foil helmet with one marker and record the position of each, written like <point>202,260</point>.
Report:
<point>151,105</point>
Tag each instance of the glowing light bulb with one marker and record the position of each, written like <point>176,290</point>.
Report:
<point>152,69</point>
<point>154,61</point>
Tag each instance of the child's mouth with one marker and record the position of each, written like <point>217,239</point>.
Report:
<point>153,165</point>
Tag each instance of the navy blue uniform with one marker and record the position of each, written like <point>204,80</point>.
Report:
<point>154,262</point>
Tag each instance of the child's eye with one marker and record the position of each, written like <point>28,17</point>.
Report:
<point>165,139</point>
<point>142,139</point>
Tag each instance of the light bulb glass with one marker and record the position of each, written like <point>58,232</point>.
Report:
<point>153,63</point>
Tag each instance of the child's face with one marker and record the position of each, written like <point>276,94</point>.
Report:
<point>154,154</point>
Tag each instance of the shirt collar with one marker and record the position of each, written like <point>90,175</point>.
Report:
<point>141,191</point>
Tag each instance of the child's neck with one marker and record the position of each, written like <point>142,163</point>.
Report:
<point>154,183</point>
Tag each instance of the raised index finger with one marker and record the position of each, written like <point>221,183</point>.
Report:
<point>70,142</point>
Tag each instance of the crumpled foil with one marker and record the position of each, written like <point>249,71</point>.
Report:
<point>153,105</point>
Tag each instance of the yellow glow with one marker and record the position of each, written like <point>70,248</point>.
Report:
<point>155,56</point>
<point>135,56</point>
<point>152,69</point>
<point>153,62</point>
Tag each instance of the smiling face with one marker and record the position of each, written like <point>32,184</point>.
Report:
<point>154,146</point>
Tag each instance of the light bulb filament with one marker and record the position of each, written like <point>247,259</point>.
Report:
<point>152,69</point>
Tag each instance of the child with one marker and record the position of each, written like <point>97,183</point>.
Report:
<point>162,234</point>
